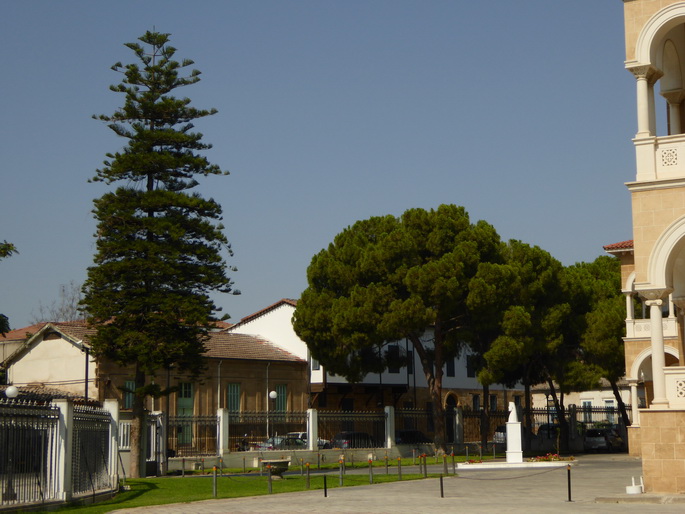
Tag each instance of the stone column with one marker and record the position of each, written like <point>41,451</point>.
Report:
<point>646,77</point>
<point>675,100</point>
<point>635,412</point>
<point>654,302</point>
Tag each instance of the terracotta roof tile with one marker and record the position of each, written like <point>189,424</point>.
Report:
<point>623,245</point>
<point>230,345</point>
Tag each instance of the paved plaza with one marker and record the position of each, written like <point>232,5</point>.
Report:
<point>598,484</point>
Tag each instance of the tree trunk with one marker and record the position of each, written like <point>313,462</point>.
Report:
<point>138,429</point>
<point>621,405</point>
<point>432,369</point>
<point>562,433</point>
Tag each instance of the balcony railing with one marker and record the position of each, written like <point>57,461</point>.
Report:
<point>642,329</point>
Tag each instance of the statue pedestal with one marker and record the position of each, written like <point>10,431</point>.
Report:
<point>514,451</point>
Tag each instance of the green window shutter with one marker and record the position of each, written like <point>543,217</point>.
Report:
<point>129,386</point>
<point>282,398</point>
<point>233,397</point>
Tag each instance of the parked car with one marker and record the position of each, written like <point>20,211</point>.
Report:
<point>500,436</point>
<point>548,431</point>
<point>411,437</point>
<point>323,444</point>
<point>607,439</point>
<point>353,440</point>
<point>282,443</point>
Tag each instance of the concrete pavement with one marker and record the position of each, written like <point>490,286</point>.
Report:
<point>597,485</point>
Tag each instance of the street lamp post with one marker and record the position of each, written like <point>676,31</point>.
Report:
<point>273,395</point>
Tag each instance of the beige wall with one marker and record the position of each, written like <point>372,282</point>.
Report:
<point>636,14</point>
<point>653,212</point>
<point>662,435</point>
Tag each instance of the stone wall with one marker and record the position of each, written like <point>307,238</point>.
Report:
<point>662,434</point>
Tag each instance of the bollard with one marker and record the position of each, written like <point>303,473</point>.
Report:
<point>306,482</point>
<point>342,468</point>
<point>467,451</point>
<point>413,456</point>
<point>183,467</point>
<point>399,468</point>
<point>442,489</point>
<point>494,455</point>
<point>203,466</point>
<point>444,464</point>
<point>301,467</point>
<point>268,478</point>
<point>244,469</point>
<point>387,471</point>
<point>318,460</point>
<point>214,483</point>
<point>454,466</point>
<point>221,466</point>
<point>325,487</point>
<point>370,471</point>
<point>425,467</point>
<point>568,475</point>
<point>480,452</point>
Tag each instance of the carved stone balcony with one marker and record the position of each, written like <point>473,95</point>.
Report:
<point>642,329</point>
<point>675,386</point>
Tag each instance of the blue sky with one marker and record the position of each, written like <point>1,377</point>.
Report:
<point>329,112</point>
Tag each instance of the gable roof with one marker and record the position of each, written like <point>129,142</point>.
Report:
<point>266,310</point>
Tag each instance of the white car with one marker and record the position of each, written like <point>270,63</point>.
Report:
<point>322,443</point>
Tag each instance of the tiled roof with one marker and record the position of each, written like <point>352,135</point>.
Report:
<point>229,345</point>
<point>623,245</point>
<point>19,334</point>
<point>221,345</point>
<point>284,301</point>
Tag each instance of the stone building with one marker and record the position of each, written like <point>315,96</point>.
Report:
<point>654,261</point>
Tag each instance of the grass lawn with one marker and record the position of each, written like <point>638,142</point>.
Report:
<point>163,490</point>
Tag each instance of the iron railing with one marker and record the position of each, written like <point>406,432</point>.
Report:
<point>28,444</point>
<point>91,469</point>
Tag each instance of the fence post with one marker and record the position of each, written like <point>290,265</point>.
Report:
<point>312,430</point>
<point>112,406</point>
<point>389,426</point>
<point>222,436</point>
<point>65,439</point>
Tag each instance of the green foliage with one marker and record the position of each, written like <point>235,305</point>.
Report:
<point>159,246</point>
<point>6,249</point>
<point>387,278</point>
<point>521,306</point>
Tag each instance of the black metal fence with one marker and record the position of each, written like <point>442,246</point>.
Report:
<point>91,469</point>
<point>28,440</point>
<point>192,435</point>
<point>347,429</point>
<point>251,429</point>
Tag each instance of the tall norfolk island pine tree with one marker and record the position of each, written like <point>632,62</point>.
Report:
<point>159,246</point>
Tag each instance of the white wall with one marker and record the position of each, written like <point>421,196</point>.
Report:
<point>276,327</point>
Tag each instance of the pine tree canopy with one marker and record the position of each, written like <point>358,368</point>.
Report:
<point>159,251</point>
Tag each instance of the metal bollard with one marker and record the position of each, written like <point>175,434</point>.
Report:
<point>214,483</point>
<point>454,466</point>
<point>442,489</point>
<point>568,475</point>
<point>342,468</point>
<point>370,471</point>
<point>387,471</point>
<point>306,483</point>
<point>444,464</point>
<point>268,478</point>
<point>399,468</point>
<point>425,467</point>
